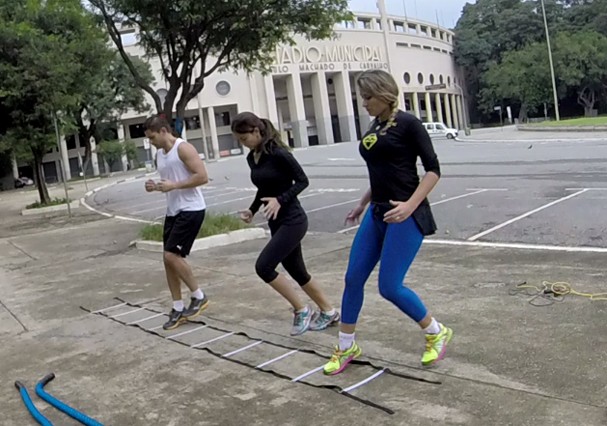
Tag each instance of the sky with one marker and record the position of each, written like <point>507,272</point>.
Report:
<point>448,11</point>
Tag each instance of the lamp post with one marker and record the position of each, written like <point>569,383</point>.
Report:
<point>556,99</point>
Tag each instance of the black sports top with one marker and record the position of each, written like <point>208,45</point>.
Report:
<point>279,175</point>
<point>392,163</point>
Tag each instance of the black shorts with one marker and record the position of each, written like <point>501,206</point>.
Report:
<point>180,231</point>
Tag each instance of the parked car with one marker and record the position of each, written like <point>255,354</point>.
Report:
<point>439,129</point>
<point>23,181</point>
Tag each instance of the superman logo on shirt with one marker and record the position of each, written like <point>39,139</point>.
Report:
<point>369,141</point>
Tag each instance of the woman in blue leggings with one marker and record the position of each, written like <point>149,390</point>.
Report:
<point>398,218</point>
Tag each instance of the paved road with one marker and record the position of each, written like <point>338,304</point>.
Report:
<point>530,191</point>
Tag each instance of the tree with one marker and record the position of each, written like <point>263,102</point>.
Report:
<point>111,151</point>
<point>581,64</point>
<point>522,77</point>
<point>490,29</point>
<point>194,38</point>
<point>130,149</point>
<point>39,67</point>
<point>109,91</point>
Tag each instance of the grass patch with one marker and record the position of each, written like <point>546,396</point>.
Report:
<point>583,121</point>
<point>54,202</point>
<point>213,225</point>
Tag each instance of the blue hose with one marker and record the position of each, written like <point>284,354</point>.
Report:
<point>30,405</point>
<point>73,413</point>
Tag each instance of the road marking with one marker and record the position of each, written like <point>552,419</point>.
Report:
<point>524,215</point>
<point>223,336</point>
<point>144,319</point>
<point>127,313</point>
<point>362,382</point>
<point>457,197</point>
<point>521,246</point>
<point>108,308</point>
<point>278,358</point>
<point>252,345</point>
<point>330,206</point>
<point>187,332</point>
<point>309,373</point>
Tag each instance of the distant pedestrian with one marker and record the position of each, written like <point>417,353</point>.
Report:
<point>279,179</point>
<point>398,218</point>
<point>182,172</point>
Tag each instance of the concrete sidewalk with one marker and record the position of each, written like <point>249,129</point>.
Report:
<point>510,363</point>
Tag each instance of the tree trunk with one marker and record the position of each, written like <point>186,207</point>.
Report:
<point>39,178</point>
<point>522,114</point>
<point>587,98</point>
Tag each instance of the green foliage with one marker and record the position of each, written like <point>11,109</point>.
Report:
<point>111,151</point>
<point>523,77</point>
<point>213,225</point>
<point>501,44</point>
<point>54,202</point>
<point>192,39</point>
<point>43,68</point>
<point>130,149</point>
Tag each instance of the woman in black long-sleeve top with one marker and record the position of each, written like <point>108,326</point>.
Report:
<point>279,179</point>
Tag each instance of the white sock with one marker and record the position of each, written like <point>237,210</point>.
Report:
<point>433,328</point>
<point>198,294</point>
<point>305,309</point>
<point>178,305</point>
<point>345,341</point>
<point>329,313</point>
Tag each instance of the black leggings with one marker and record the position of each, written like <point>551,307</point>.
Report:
<point>284,247</point>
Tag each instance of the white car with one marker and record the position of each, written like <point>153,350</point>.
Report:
<point>439,129</point>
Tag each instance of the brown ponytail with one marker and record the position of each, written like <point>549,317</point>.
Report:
<point>246,122</point>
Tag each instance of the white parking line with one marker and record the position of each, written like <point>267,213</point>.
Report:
<point>330,206</point>
<point>524,215</point>
<point>457,197</point>
<point>519,246</point>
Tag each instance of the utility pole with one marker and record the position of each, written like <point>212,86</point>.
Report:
<point>556,98</point>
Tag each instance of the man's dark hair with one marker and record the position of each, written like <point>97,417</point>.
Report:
<point>157,122</point>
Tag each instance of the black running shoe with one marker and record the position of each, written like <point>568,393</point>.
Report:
<point>176,318</point>
<point>196,307</point>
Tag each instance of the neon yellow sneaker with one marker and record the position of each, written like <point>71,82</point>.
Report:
<point>436,345</point>
<point>340,359</point>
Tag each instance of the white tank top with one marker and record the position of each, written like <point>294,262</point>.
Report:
<point>170,167</point>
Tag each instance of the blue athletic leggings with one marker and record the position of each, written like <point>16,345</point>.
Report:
<point>396,245</point>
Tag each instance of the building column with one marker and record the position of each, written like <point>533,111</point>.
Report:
<point>448,110</point>
<point>281,127</point>
<point>268,82</point>
<point>416,110</point>
<point>297,111</point>
<point>429,116</point>
<point>203,132</point>
<point>439,108</point>
<point>65,159</point>
<point>16,167</point>
<point>345,109</point>
<point>455,116</point>
<point>460,112</point>
<point>363,116</point>
<point>322,110</point>
<point>94,158</point>
<point>254,94</point>
<point>121,139</point>
<point>213,129</point>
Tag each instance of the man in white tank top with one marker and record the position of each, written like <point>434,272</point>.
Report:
<point>182,172</point>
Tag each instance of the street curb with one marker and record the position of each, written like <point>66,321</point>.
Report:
<point>527,128</point>
<point>51,209</point>
<point>94,210</point>
<point>219,240</point>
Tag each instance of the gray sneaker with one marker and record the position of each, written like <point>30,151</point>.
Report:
<point>301,321</point>
<point>321,321</point>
